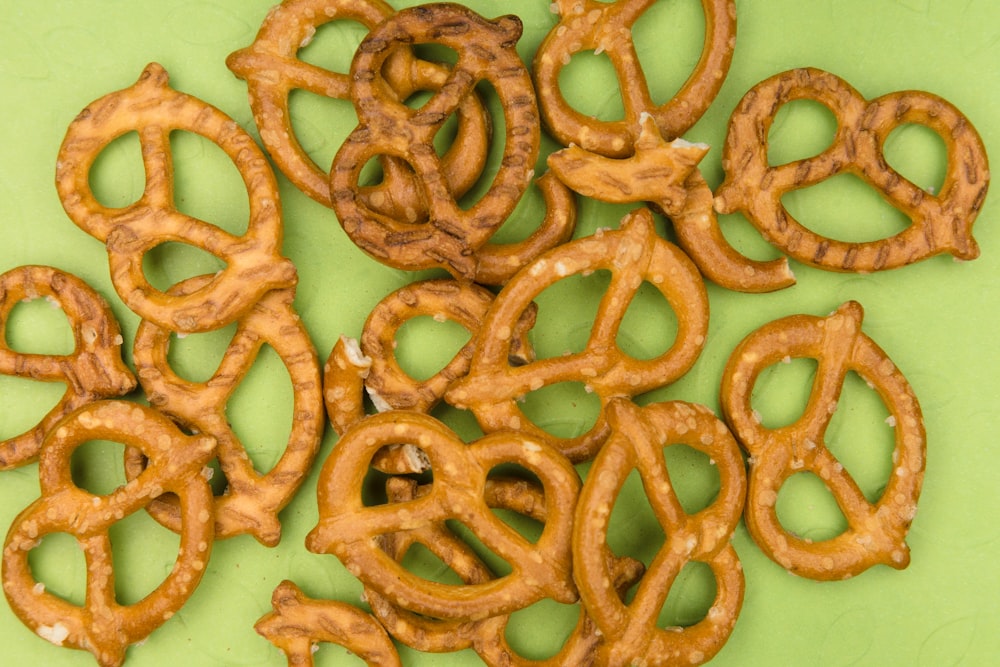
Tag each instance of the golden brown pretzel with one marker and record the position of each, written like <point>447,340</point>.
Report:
<point>633,254</point>
<point>102,625</point>
<point>254,264</point>
<point>636,443</point>
<point>93,370</point>
<point>272,70</point>
<point>607,28</point>
<point>875,532</point>
<point>298,623</point>
<point>253,498</point>
<point>941,223</point>
<point>352,531</point>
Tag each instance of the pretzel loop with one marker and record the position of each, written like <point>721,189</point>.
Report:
<point>875,532</point>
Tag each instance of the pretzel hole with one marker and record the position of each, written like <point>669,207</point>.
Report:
<point>670,36</point>
<point>373,487</point>
<point>143,553</point>
<point>496,148</point>
<point>207,184</point>
<point>425,345</point>
<point>589,84</point>
<point>332,45</point>
<point>649,328</point>
<point>196,357</point>
<point>567,309</point>
<point>58,564</point>
<point>862,437</point>
<point>172,262</point>
<point>745,238</point>
<point>808,509</point>
<point>694,477</point>
<point>320,124</point>
<point>633,529</point>
<point>424,563</point>
<point>497,565</point>
<point>691,595</point>
<point>117,177</point>
<point>522,630</point>
<point>38,326</point>
<point>462,422</point>
<point>782,391</point>
<point>919,154</point>
<point>801,129</point>
<point>526,217</point>
<point>562,409</point>
<point>97,466</point>
<point>25,403</point>
<point>329,654</point>
<point>845,208</point>
<point>260,409</point>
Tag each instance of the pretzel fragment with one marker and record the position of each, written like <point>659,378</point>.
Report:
<point>876,532</point>
<point>254,264</point>
<point>102,625</point>
<point>93,370</point>
<point>941,223</point>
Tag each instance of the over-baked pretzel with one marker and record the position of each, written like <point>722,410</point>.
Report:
<point>875,532</point>
<point>102,625</point>
<point>636,443</point>
<point>252,499</point>
<point>93,370</point>
<point>353,531</point>
<point>272,71</point>
<point>606,27</point>
<point>298,623</point>
<point>486,52</point>
<point>941,223</point>
<point>632,254</point>
<point>254,264</point>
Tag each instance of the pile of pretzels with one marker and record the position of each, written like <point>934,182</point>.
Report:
<point>439,207</point>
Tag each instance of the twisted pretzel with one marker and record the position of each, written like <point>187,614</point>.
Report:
<point>92,371</point>
<point>875,532</point>
<point>253,261</point>
<point>636,443</point>
<point>941,223</point>
<point>633,254</point>
<point>607,28</point>
<point>252,500</point>
<point>102,625</point>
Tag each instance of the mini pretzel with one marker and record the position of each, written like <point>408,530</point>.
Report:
<point>875,532</point>
<point>633,254</point>
<point>940,223</point>
<point>486,52</point>
<point>607,28</point>
<point>637,440</point>
<point>252,499</point>
<point>298,623</point>
<point>102,625</point>
<point>353,531</point>
<point>254,264</point>
<point>92,371</point>
<point>272,70</point>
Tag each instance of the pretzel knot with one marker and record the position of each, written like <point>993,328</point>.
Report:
<point>875,532</point>
<point>253,261</point>
<point>941,223</point>
<point>633,254</point>
<point>252,499</point>
<point>452,234</point>
<point>93,370</point>
<point>636,443</point>
<point>176,461</point>
<point>606,28</point>
<point>353,532</point>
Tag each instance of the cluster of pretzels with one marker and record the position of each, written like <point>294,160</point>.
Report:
<point>416,216</point>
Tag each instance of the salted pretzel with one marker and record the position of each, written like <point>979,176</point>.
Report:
<point>298,623</point>
<point>875,531</point>
<point>252,499</point>
<point>451,235</point>
<point>102,625</point>
<point>941,223</point>
<point>606,28</point>
<point>636,443</point>
<point>633,254</point>
<point>272,71</point>
<point>254,264</point>
<point>92,371</point>
<point>353,532</point>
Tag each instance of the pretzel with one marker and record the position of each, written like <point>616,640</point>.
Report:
<point>636,443</point>
<point>298,623</point>
<point>351,531</point>
<point>941,223</point>
<point>875,532</point>
<point>253,261</point>
<point>92,371</point>
<point>633,254</point>
<point>452,234</point>
<point>102,625</point>
<point>272,70</point>
<point>252,499</point>
<point>607,28</point>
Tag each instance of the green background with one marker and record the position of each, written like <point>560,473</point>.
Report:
<point>937,319</point>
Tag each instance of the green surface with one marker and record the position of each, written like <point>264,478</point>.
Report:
<point>937,320</point>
